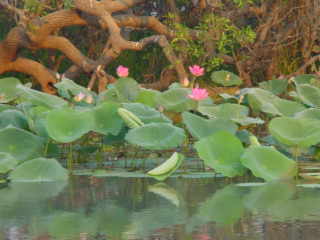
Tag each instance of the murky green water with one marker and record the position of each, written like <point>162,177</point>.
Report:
<point>180,209</point>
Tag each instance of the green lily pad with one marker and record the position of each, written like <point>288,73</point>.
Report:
<point>308,94</point>
<point>107,119</point>
<point>40,98</point>
<point>21,144</point>
<point>148,97</point>
<point>14,118</point>
<point>302,132</point>
<point>145,113</point>
<point>313,113</point>
<point>226,78</point>
<point>176,100</point>
<point>8,89</point>
<point>67,124</point>
<point>39,170</point>
<point>156,136</point>
<point>268,163</point>
<point>222,151</point>
<point>127,89</point>
<point>200,127</point>
<point>7,162</point>
<point>276,86</point>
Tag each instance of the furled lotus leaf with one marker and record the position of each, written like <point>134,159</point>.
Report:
<point>302,132</point>
<point>22,145</point>
<point>200,127</point>
<point>156,136</point>
<point>222,151</point>
<point>226,78</point>
<point>39,170</point>
<point>67,124</point>
<point>268,163</point>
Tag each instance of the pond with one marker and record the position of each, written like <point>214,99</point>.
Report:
<point>180,208</point>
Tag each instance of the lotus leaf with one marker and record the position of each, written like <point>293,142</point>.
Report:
<point>8,89</point>
<point>222,151</point>
<point>308,94</point>
<point>145,113</point>
<point>148,97</point>
<point>176,100</point>
<point>262,100</point>
<point>67,124</point>
<point>200,127</point>
<point>301,132</point>
<point>67,86</point>
<point>226,78</point>
<point>22,145</point>
<point>156,136</point>
<point>39,170</point>
<point>276,86</point>
<point>304,79</point>
<point>313,113</point>
<point>40,98</point>
<point>4,107</point>
<point>14,118</point>
<point>268,163</point>
<point>107,119</point>
<point>7,162</point>
<point>127,89</point>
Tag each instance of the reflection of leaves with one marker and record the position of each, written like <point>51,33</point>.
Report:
<point>225,206</point>
<point>163,190</point>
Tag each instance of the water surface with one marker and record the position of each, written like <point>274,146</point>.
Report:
<point>141,208</point>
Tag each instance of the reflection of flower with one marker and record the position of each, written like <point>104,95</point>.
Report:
<point>196,70</point>
<point>122,71</point>
<point>198,94</point>
<point>79,97</point>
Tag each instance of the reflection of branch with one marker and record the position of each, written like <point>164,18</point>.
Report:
<point>17,11</point>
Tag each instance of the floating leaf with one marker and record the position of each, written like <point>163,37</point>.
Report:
<point>304,78</point>
<point>67,125</point>
<point>107,119</point>
<point>39,170</point>
<point>156,136</point>
<point>4,107</point>
<point>148,97</point>
<point>200,127</point>
<point>67,86</point>
<point>268,163</point>
<point>226,78</point>
<point>308,94</point>
<point>276,86</point>
<point>40,98</point>
<point>222,151</point>
<point>262,100</point>
<point>22,145</point>
<point>8,89</point>
<point>313,113</point>
<point>145,113</point>
<point>14,118</point>
<point>127,89</point>
<point>176,100</point>
<point>7,162</point>
<point>302,132</point>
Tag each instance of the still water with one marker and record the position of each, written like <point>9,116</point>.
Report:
<point>140,208</point>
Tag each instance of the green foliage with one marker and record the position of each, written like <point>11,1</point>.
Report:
<point>225,78</point>
<point>268,163</point>
<point>7,163</point>
<point>222,151</point>
<point>39,170</point>
<point>8,89</point>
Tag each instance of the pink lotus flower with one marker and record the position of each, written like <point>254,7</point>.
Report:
<point>196,70</point>
<point>122,71</point>
<point>198,94</point>
<point>79,97</point>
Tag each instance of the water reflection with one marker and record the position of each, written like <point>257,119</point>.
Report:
<point>180,209</point>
